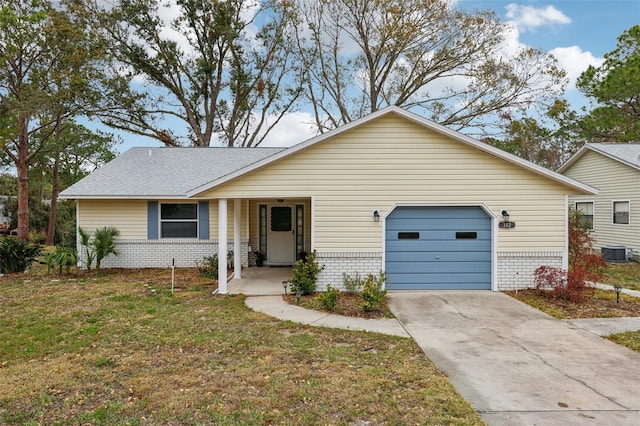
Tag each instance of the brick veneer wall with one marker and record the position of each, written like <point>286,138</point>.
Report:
<point>515,269</point>
<point>159,253</point>
<point>337,264</point>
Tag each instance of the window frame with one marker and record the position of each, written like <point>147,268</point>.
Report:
<point>613,212</point>
<point>196,220</point>
<point>593,211</point>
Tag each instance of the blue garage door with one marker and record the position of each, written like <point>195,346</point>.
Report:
<point>438,248</point>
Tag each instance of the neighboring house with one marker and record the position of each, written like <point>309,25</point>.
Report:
<point>614,214</point>
<point>391,191</point>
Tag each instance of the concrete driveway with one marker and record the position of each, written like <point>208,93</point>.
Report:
<point>518,366</point>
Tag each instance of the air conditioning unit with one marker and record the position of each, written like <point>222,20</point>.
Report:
<point>616,253</point>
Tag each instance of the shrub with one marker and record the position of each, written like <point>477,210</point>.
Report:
<point>352,284</point>
<point>62,258</point>
<point>104,243</point>
<point>98,245</point>
<point>89,251</point>
<point>373,293</point>
<point>16,255</point>
<point>584,265</point>
<point>65,258</point>
<point>329,299</point>
<point>208,266</point>
<point>305,275</point>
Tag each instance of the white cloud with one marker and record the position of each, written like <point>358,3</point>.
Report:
<point>574,61</point>
<point>529,18</point>
<point>293,128</point>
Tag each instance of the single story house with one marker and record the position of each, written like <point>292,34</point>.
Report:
<point>614,213</point>
<point>392,192</point>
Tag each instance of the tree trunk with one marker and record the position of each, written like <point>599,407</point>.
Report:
<point>23,179</point>
<point>51,229</point>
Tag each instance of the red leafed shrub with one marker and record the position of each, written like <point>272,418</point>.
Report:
<point>584,265</point>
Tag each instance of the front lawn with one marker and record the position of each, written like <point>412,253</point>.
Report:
<point>119,348</point>
<point>626,275</point>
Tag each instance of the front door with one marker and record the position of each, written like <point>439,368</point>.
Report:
<point>281,236</point>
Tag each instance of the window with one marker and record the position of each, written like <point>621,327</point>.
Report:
<point>179,220</point>
<point>586,209</point>
<point>621,212</point>
<point>281,219</point>
<point>408,235</point>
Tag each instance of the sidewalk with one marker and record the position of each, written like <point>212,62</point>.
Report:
<point>607,326</point>
<point>276,307</point>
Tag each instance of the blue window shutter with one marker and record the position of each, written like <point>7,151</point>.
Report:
<point>152,220</point>
<point>203,220</point>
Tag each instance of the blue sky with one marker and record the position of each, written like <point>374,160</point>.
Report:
<point>577,32</point>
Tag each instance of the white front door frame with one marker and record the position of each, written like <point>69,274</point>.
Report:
<point>281,245</point>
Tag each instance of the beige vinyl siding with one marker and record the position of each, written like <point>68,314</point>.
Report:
<point>392,160</point>
<point>614,181</point>
<point>130,216</point>
<point>127,216</point>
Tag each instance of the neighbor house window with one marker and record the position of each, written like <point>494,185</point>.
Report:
<point>586,210</point>
<point>179,220</point>
<point>621,212</point>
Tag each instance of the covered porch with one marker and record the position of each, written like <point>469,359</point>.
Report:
<point>265,281</point>
<point>270,232</point>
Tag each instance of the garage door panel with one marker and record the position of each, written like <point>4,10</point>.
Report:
<point>435,225</point>
<point>419,212</point>
<point>451,256</point>
<point>440,282</point>
<point>437,234</point>
<point>438,248</point>
<point>438,267</point>
<point>442,246</point>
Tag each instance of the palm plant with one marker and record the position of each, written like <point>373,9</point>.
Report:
<point>104,243</point>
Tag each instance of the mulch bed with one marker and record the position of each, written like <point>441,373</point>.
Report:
<point>348,305</point>
<point>602,304</point>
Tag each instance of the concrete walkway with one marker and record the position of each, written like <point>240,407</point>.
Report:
<point>277,307</point>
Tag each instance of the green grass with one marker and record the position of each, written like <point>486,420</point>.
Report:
<point>107,349</point>
<point>626,275</point>
<point>630,339</point>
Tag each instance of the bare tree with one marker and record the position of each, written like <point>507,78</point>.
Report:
<point>452,66</point>
<point>218,67</point>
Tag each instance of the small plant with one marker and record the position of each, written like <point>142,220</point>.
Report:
<point>584,265</point>
<point>259,257</point>
<point>305,275</point>
<point>104,243</point>
<point>89,252</point>
<point>208,266</point>
<point>16,255</point>
<point>98,245</point>
<point>329,299</point>
<point>373,293</point>
<point>62,258</point>
<point>352,284</point>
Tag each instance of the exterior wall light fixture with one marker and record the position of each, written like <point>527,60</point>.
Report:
<point>505,223</point>
<point>376,216</point>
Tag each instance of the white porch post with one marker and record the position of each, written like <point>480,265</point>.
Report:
<point>222,246</point>
<point>237,247</point>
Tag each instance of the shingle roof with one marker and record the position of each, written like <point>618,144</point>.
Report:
<point>164,172</point>
<point>627,153</point>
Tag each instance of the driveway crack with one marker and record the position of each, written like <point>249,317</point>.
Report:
<point>550,365</point>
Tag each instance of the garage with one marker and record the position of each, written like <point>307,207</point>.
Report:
<point>438,248</point>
